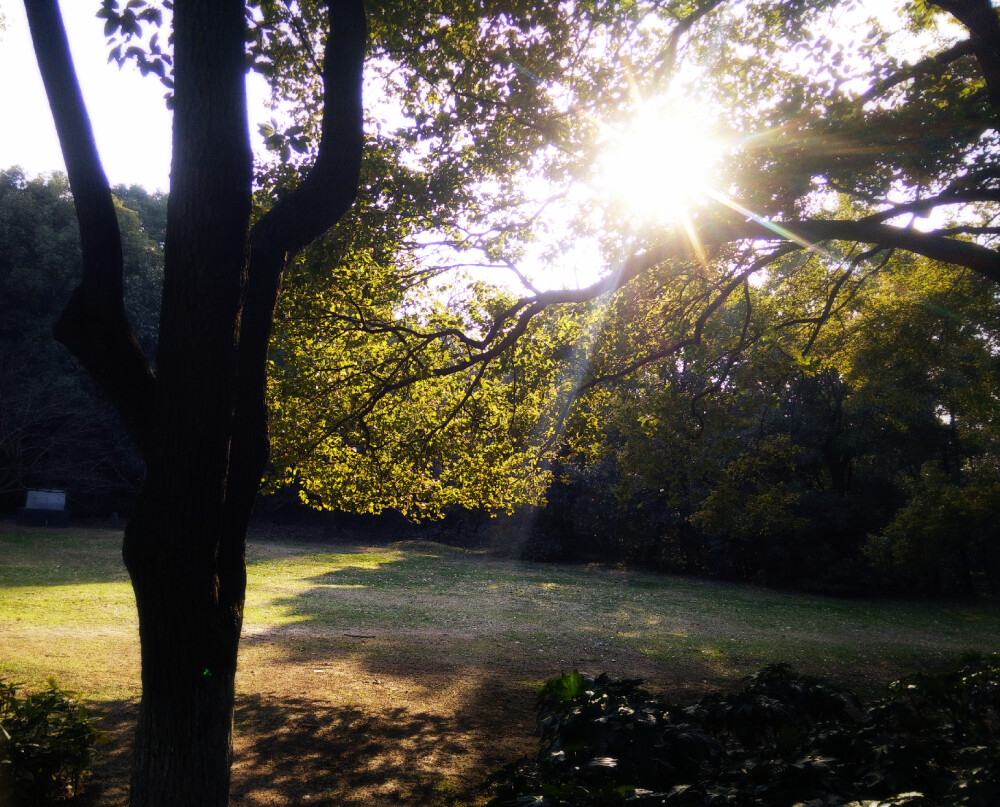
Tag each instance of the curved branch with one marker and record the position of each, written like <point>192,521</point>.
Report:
<point>930,65</point>
<point>93,326</point>
<point>921,206</point>
<point>511,323</point>
<point>316,205</point>
<point>936,247</point>
<point>332,184</point>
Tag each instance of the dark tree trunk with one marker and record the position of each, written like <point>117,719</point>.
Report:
<point>189,588</point>
<point>189,634</point>
<point>201,423</point>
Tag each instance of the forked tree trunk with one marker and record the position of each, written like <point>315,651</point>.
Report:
<point>200,423</point>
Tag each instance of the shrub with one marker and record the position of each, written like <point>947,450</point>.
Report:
<point>783,739</point>
<point>47,742</point>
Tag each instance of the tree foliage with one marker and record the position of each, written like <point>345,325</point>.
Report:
<point>830,146</point>
<point>772,452</point>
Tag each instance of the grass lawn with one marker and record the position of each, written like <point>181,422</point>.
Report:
<point>403,673</point>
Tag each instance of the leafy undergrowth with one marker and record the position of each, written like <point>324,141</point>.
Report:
<point>785,739</point>
<point>47,745</point>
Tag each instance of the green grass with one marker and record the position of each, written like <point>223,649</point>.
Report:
<point>414,666</point>
<point>66,605</point>
<point>664,619</point>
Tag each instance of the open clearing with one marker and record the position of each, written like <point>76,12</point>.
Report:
<point>404,673</point>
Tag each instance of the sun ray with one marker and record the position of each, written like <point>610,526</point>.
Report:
<point>694,240</point>
<point>774,227</point>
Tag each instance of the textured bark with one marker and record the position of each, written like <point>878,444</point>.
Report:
<point>189,632</point>
<point>190,604</point>
<point>980,19</point>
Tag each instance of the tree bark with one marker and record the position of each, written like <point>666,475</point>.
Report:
<point>980,19</point>
<point>189,595</point>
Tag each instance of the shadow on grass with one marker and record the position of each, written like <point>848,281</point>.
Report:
<point>297,751</point>
<point>57,557</point>
<point>301,750</point>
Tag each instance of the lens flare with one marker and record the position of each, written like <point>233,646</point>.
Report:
<point>658,166</point>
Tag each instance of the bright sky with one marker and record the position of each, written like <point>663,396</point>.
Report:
<point>130,121</point>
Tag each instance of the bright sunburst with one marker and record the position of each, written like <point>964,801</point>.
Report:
<point>659,164</point>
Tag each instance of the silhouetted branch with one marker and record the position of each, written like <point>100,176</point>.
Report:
<point>93,326</point>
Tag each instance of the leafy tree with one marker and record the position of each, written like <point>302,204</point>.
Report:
<point>770,450</point>
<point>946,530</point>
<point>478,85</point>
<point>491,97</point>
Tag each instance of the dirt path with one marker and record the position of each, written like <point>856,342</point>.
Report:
<point>318,751</point>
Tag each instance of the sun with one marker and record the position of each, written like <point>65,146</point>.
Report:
<point>659,165</point>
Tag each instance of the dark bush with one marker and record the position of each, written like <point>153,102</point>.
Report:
<point>47,742</point>
<point>783,739</point>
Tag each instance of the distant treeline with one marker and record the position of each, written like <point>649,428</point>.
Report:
<point>846,447</point>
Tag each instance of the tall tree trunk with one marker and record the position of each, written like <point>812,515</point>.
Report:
<point>189,590</point>
<point>189,633</point>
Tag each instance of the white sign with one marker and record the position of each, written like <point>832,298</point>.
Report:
<point>46,500</point>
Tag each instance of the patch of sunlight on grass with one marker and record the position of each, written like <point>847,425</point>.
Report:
<point>67,608</point>
<point>296,566</point>
<point>93,603</point>
<point>278,586</point>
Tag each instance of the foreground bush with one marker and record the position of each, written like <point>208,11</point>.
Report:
<point>785,739</point>
<point>47,742</point>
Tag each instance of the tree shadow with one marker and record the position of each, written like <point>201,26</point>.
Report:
<point>109,783</point>
<point>302,751</point>
<point>31,556</point>
<point>298,751</point>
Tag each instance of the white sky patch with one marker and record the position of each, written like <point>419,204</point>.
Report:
<point>131,123</point>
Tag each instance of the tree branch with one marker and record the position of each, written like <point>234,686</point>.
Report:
<point>980,19</point>
<point>94,326</point>
<point>947,197</point>
<point>332,184</point>
<point>316,205</point>
<point>930,65</point>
